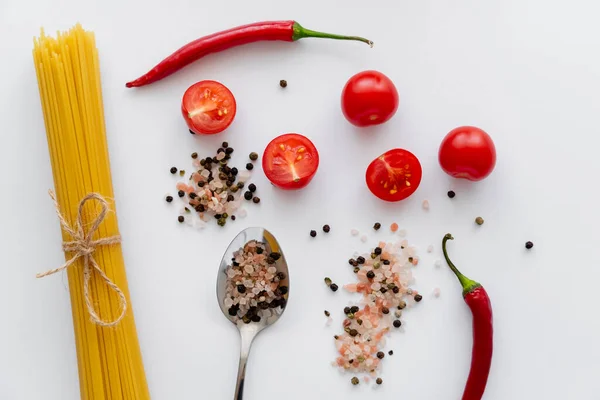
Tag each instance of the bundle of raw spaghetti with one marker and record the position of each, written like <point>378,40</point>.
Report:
<point>108,353</point>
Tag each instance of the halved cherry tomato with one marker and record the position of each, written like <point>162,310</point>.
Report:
<point>467,152</point>
<point>369,98</point>
<point>208,107</point>
<point>290,161</point>
<point>394,175</point>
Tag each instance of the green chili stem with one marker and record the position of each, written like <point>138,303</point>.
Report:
<point>301,32</point>
<point>468,284</point>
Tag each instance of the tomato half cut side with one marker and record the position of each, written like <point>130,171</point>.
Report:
<point>394,175</point>
<point>208,107</point>
<point>290,161</point>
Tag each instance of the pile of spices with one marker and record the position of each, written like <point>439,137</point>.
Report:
<point>383,278</point>
<point>215,190</point>
<point>256,290</point>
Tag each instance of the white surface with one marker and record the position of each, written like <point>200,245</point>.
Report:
<point>527,71</point>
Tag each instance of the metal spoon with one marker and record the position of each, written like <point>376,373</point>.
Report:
<point>249,331</point>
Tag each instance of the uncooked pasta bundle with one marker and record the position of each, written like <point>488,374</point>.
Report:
<point>108,352</point>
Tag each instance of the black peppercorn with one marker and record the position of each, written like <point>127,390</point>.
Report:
<point>275,256</point>
<point>241,289</point>
<point>326,228</point>
<point>252,187</point>
<point>385,310</point>
<point>528,245</point>
<point>347,310</point>
<point>379,381</point>
<point>248,195</point>
<point>377,250</point>
<point>281,276</point>
<point>396,290</point>
<point>383,290</point>
<point>240,185</point>
<point>256,200</point>
<point>201,183</point>
<point>259,250</point>
<point>283,290</point>
<point>193,195</point>
<point>233,217</point>
<point>173,170</point>
<point>283,83</point>
<point>391,352</point>
<point>334,287</point>
<point>234,171</point>
<point>377,226</point>
<point>355,381</point>
<point>370,274</point>
<point>199,208</point>
<point>249,166</point>
<point>180,218</point>
<point>313,233</point>
<point>360,260</point>
<point>255,318</point>
<point>418,298</point>
<point>181,193</point>
<point>169,199</point>
<point>230,197</point>
<point>354,309</point>
<point>233,310</point>
<point>253,156</point>
<point>397,323</point>
<point>353,332</point>
<point>380,355</point>
<point>451,194</point>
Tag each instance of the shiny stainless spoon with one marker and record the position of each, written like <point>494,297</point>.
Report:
<point>249,331</point>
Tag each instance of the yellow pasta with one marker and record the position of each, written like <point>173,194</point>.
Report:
<point>68,74</point>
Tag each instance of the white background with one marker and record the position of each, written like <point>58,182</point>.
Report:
<point>526,71</point>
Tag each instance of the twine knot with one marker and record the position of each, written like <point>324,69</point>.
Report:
<point>84,247</point>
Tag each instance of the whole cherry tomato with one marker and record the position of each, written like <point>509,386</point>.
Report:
<point>208,107</point>
<point>369,98</point>
<point>467,152</point>
<point>290,161</point>
<point>394,175</point>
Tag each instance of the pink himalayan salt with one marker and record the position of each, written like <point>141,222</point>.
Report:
<point>394,227</point>
<point>363,238</point>
<point>354,232</point>
<point>436,292</point>
<point>425,204</point>
<point>430,248</point>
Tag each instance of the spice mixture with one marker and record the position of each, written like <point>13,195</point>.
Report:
<point>383,276</point>
<point>215,190</point>
<point>255,289</point>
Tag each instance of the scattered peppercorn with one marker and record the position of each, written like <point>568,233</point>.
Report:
<point>225,145</point>
<point>353,332</point>
<point>377,250</point>
<point>479,221</point>
<point>253,156</point>
<point>397,323</point>
<point>256,200</point>
<point>182,172</point>
<point>248,195</point>
<point>313,233</point>
<point>383,290</point>
<point>240,185</point>
<point>228,151</point>
<point>252,187</point>
<point>181,193</point>
<point>221,222</point>
<point>326,228</point>
<point>283,83</point>
<point>180,218</point>
<point>355,381</point>
<point>173,170</point>
<point>385,310</point>
<point>334,287</point>
<point>379,381</point>
<point>356,270</point>
<point>232,217</point>
<point>360,260</point>
<point>347,310</point>
<point>370,274</point>
<point>528,245</point>
<point>391,352</point>
<point>354,309</point>
<point>396,289</point>
<point>259,250</point>
<point>451,194</point>
<point>194,155</point>
<point>418,298</point>
<point>327,313</point>
<point>241,288</point>
<point>327,281</point>
<point>249,166</point>
<point>280,276</point>
<point>401,305</point>
<point>377,226</point>
<point>169,199</point>
<point>255,318</point>
<point>380,355</point>
<point>386,262</point>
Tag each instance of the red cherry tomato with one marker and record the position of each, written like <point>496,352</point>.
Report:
<point>394,175</point>
<point>467,152</point>
<point>369,98</point>
<point>208,107</point>
<point>290,161</point>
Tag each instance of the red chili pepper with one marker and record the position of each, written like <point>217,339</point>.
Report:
<point>288,31</point>
<point>483,331</point>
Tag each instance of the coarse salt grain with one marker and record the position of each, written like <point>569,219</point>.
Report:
<point>425,204</point>
<point>354,232</point>
<point>363,238</point>
<point>430,248</point>
<point>402,232</point>
<point>436,292</point>
<point>437,263</point>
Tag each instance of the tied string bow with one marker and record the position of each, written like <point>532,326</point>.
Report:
<point>84,247</point>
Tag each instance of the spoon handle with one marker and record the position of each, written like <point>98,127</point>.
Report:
<point>246,341</point>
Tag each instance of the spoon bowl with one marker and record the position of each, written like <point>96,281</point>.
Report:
<point>249,329</point>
